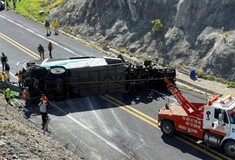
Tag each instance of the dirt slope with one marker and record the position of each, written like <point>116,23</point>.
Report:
<point>20,139</point>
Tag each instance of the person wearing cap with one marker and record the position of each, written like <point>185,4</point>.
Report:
<point>45,100</point>
<point>43,111</point>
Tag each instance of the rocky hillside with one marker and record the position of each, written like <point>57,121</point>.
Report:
<point>20,139</point>
<point>199,34</point>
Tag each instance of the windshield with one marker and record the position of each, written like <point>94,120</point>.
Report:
<point>232,118</point>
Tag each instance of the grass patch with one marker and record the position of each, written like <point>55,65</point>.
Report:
<point>30,8</point>
<point>230,84</point>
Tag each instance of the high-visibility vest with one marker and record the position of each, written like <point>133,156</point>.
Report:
<point>55,23</point>
<point>5,76</point>
<point>8,93</point>
<point>24,94</point>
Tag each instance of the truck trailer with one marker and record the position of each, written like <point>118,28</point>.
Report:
<point>85,76</point>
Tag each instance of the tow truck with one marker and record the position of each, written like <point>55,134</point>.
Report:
<point>85,76</point>
<point>213,122</point>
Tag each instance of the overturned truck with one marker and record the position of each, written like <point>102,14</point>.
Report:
<point>85,76</point>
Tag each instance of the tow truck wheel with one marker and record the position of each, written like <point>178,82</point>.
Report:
<point>229,148</point>
<point>167,127</point>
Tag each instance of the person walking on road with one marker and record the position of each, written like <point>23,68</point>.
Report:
<point>43,111</point>
<point>41,51</point>
<point>50,47</point>
<point>47,26</point>
<point>3,60</point>
<point>55,24</point>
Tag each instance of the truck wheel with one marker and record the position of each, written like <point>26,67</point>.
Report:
<point>58,71</point>
<point>167,127</point>
<point>229,148</point>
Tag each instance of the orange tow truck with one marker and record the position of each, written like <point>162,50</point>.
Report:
<point>212,122</point>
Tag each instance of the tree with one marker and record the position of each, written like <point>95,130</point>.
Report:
<point>157,25</point>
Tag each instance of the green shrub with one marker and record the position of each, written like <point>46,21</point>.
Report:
<point>231,84</point>
<point>157,25</point>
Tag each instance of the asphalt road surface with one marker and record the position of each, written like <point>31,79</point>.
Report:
<point>117,126</point>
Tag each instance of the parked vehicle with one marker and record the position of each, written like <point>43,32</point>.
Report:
<point>2,5</point>
<point>212,122</point>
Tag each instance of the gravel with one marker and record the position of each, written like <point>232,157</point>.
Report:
<point>20,139</point>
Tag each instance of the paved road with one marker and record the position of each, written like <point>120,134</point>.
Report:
<point>96,127</point>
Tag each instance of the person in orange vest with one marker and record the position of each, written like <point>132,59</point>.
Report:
<point>26,97</point>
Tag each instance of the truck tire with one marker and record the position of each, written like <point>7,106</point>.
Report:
<point>229,148</point>
<point>167,127</point>
<point>57,72</point>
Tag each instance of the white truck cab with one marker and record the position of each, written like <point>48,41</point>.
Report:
<point>219,123</point>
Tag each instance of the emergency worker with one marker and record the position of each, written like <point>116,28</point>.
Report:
<point>55,24</point>
<point>26,97</point>
<point>7,94</point>
<point>5,77</point>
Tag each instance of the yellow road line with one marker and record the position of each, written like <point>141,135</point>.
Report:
<point>198,148</point>
<point>131,112</point>
<point>131,108</point>
<point>124,107</point>
<point>150,121</point>
<point>19,46</point>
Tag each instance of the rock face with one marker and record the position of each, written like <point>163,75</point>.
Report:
<point>198,34</point>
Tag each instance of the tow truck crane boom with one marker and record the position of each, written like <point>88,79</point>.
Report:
<point>212,122</point>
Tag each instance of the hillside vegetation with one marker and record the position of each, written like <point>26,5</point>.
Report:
<point>193,34</point>
<point>31,8</point>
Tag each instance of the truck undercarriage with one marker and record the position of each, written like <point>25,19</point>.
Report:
<point>98,76</point>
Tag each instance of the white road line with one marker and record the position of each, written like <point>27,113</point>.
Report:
<point>93,132</point>
<point>39,35</point>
